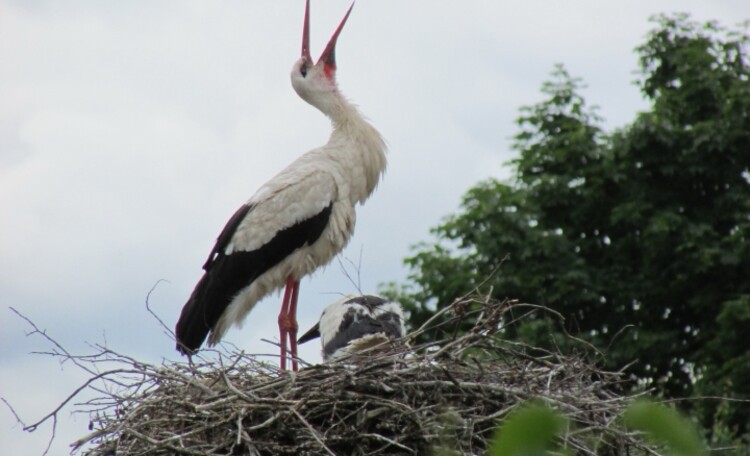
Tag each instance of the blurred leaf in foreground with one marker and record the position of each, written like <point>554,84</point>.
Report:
<point>664,426</point>
<point>527,432</point>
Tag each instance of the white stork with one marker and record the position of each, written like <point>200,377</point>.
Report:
<point>354,324</point>
<point>295,223</point>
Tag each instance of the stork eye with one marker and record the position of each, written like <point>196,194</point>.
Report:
<point>303,69</point>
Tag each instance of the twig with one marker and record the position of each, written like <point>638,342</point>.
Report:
<point>53,413</point>
<point>389,441</point>
<point>43,333</point>
<point>357,268</point>
<point>87,438</point>
<point>166,328</point>
<point>13,411</point>
<point>313,432</point>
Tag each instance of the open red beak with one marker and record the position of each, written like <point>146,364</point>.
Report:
<point>306,34</point>
<point>328,57</point>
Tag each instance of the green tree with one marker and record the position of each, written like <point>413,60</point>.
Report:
<point>638,238</point>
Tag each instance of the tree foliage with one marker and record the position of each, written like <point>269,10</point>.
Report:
<point>639,238</point>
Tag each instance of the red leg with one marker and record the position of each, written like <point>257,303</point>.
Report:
<point>283,321</point>
<point>294,326</point>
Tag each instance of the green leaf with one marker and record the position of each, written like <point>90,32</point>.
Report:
<point>664,426</point>
<point>527,432</point>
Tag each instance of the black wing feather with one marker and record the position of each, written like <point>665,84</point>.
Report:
<point>226,275</point>
<point>226,234</point>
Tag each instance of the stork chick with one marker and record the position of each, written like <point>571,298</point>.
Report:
<point>356,324</point>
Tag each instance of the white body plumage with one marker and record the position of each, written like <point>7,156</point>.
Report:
<point>340,174</point>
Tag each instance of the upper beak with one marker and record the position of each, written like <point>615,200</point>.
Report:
<point>306,34</point>
<point>311,334</point>
<point>328,57</point>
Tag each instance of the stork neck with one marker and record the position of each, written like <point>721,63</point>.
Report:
<point>341,112</point>
<point>364,148</point>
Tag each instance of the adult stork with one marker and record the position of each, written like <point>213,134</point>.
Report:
<point>295,223</point>
<point>355,324</point>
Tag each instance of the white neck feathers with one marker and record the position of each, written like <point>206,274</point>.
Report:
<point>357,144</point>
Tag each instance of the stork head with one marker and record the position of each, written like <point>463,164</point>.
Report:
<point>315,82</point>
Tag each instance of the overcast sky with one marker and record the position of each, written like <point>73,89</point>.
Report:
<point>131,131</point>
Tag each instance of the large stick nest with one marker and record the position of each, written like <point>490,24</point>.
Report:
<point>444,397</point>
